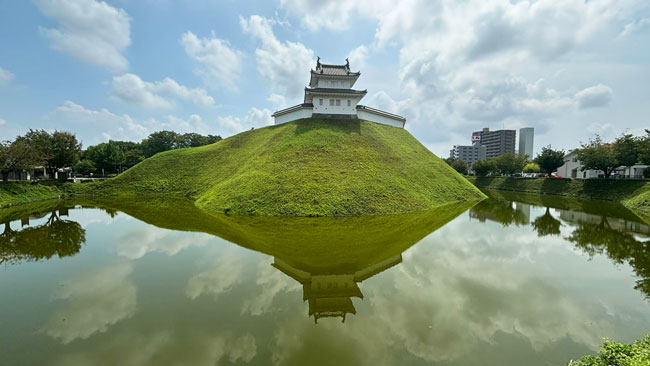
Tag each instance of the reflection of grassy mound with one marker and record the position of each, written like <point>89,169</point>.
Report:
<point>317,244</point>
<point>305,168</point>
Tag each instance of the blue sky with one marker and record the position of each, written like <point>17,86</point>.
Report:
<point>124,68</point>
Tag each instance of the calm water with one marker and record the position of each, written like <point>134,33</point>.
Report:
<point>514,280</point>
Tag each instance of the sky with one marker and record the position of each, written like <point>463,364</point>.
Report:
<point>121,69</point>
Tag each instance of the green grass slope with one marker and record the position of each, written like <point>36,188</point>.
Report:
<point>310,167</point>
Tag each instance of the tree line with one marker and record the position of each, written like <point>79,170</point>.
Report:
<point>596,154</point>
<point>61,149</point>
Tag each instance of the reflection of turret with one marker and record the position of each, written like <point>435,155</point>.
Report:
<point>330,294</point>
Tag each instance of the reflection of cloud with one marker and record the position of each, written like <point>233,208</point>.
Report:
<point>132,348</point>
<point>220,276</point>
<point>136,243</point>
<point>95,301</point>
<point>271,282</point>
<point>445,302</point>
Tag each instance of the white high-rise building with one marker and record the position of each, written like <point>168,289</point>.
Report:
<point>526,138</point>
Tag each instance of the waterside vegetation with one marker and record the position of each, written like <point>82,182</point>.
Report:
<point>634,194</point>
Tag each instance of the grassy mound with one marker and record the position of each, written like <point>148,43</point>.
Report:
<point>309,167</point>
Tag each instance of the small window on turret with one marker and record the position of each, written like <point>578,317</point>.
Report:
<point>320,102</point>
<point>349,103</point>
<point>338,102</point>
<point>331,102</point>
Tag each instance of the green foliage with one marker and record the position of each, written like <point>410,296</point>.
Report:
<point>484,167</point>
<point>626,150</point>
<point>310,167</point>
<point>644,148</point>
<point>549,160</point>
<point>84,167</point>
<point>620,354</point>
<point>598,155</point>
<point>168,140</point>
<point>65,149</point>
<point>55,237</point>
<point>17,155</point>
<point>459,166</point>
<point>547,225</point>
<point>510,163</point>
<point>107,156</point>
<point>160,141</point>
<point>57,150</point>
<point>532,168</point>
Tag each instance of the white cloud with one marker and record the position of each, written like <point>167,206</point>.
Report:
<point>95,301</point>
<point>602,129</point>
<point>332,15</point>
<point>217,61</point>
<point>2,121</point>
<point>131,89</point>
<point>595,96</point>
<point>635,26</point>
<point>466,65</point>
<point>5,76</point>
<point>94,126</point>
<point>254,118</point>
<point>89,30</point>
<point>283,64</point>
<point>358,57</point>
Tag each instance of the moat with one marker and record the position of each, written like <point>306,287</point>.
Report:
<point>515,279</point>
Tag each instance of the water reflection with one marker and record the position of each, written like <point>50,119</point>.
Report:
<point>473,293</point>
<point>596,227</point>
<point>55,236</point>
<point>328,257</point>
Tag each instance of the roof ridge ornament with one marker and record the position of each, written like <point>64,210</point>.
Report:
<point>347,65</point>
<point>318,66</point>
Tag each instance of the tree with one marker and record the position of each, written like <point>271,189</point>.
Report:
<point>598,155</point>
<point>547,224</point>
<point>549,160</point>
<point>510,163</point>
<point>531,168</point>
<point>161,141</point>
<point>18,155</point>
<point>626,150</point>
<point>133,157</point>
<point>484,167</point>
<point>85,167</point>
<point>106,156</point>
<point>644,148</point>
<point>65,150</point>
<point>459,166</point>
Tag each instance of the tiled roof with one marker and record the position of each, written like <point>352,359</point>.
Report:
<point>335,91</point>
<point>291,109</point>
<point>380,112</point>
<point>339,70</point>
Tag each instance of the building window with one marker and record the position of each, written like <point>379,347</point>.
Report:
<point>320,102</point>
<point>331,102</point>
<point>338,102</point>
<point>349,102</point>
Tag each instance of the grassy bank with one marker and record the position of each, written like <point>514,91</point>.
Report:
<point>310,167</point>
<point>19,193</point>
<point>634,194</point>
